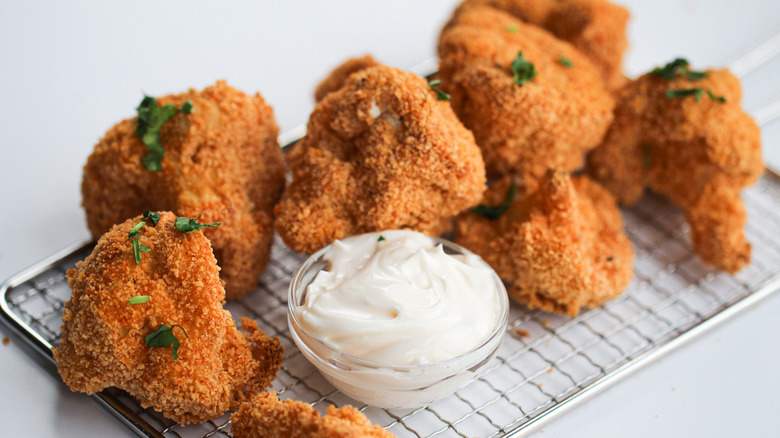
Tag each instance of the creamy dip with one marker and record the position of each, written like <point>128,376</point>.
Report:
<point>397,298</point>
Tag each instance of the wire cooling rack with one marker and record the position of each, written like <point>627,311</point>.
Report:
<point>547,363</point>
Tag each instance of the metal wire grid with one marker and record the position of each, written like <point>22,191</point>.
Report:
<point>545,360</point>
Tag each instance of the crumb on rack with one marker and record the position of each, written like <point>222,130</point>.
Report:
<point>550,371</point>
<point>521,333</point>
<point>546,323</point>
<point>6,341</point>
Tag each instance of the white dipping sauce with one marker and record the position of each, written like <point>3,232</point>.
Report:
<point>402,300</point>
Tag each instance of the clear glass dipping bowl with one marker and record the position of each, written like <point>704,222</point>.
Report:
<point>386,385</point>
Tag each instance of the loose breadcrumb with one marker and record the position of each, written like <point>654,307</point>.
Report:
<point>521,333</point>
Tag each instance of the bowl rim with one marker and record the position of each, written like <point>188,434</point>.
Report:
<point>354,362</point>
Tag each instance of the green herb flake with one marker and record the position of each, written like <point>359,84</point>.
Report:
<point>134,231</point>
<point>676,94</point>
<point>714,98</point>
<point>440,95</point>
<point>186,225</point>
<point>151,118</point>
<point>565,62</point>
<point>163,337</point>
<point>134,236</point>
<point>495,212</point>
<point>523,70</point>
<point>381,238</point>
<point>152,217</point>
<point>680,67</point>
<point>512,28</point>
<point>696,75</point>
<point>697,94</point>
<point>138,299</point>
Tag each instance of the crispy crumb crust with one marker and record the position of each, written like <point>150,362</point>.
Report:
<point>339,75</point>
<point>560,248</point>
<point>222,162</point>
<point>103,344</point>
<point>380,153</point>
<point>265,416</point>
<point>549,122</point>
<point>596,27</point>
<point>699,154</point>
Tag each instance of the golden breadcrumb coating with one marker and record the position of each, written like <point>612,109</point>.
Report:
<point>560,248</point>
<point>265,416</point>
<point>596,27</point>
<point>699,154</point>
<point>103,343</point>
<point>222,163</point>
<point>339,75</point>
<point>380,153</point>
<point>548,122</point>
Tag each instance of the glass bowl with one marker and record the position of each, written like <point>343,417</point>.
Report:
<point>385,385</point>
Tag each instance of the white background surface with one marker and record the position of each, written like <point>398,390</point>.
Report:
<point>70,70</point>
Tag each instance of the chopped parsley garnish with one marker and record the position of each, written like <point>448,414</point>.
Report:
<point>186,225</point>
<point>440,95</point>
<point>512,28</point>
<point>138,299</point>
<point>697,93</point>
<point>523,70</point>
<point>565,62</point>
<point>381,238</point>
<point>163,337</point>
<point>152,217</point>
<point>679,68</point>
<point>138,247</point>
<point>151,118</point>
<point>495,212</point>
<point>714,98</point>
<point>134,231</point>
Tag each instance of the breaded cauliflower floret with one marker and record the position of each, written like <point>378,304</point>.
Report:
<point>550,121</point>
<point>380,153</point>
<point>697,152</point>
<point>596,27</point>
<point>103,340</point>
<point>265,416</point>
<point>560,248</point>
<point>222,162</point>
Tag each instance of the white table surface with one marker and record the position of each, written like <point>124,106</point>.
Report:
<point>70,70</point>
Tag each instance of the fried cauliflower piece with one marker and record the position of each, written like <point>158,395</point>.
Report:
<point>380,153</point>
<point>596,27</point>
<point>103,337</point>
<point>559,248</point>
<point>339,75</point>
<point>222,162</point>
<point>550,121</point>
<point>697,152</point>
<point>265,416</point>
